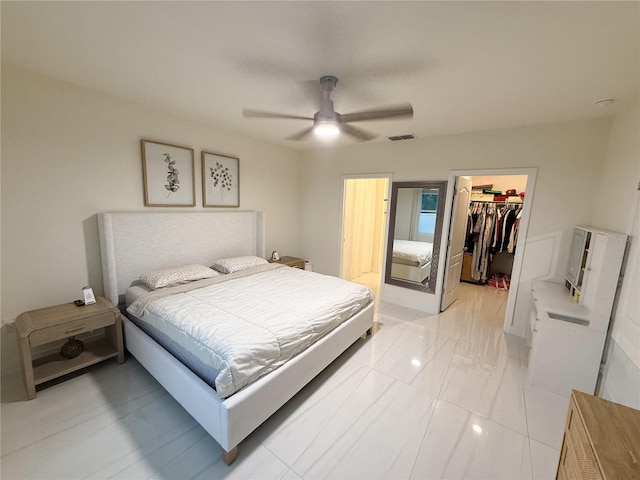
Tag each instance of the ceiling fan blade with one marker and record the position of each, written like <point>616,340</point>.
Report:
<point>261,114</point>
<point>301,134</point>
<point>394,111</point>
<point>356,132</point>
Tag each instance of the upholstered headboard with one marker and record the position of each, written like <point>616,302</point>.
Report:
<point>137,243</point>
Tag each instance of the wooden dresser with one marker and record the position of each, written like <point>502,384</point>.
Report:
<point>601,440</point>
<point>465,274</point>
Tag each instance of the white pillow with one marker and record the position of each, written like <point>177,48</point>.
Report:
<point>236,264</point>
<point>176,276</point>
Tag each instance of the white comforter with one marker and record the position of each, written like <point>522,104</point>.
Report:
<point>245,326</point>
<point>413,251</point>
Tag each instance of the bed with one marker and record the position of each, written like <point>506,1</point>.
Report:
<point>136,243</point>
<point>411,260</point>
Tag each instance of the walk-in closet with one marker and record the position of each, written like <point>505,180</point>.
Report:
<point>493,225</point>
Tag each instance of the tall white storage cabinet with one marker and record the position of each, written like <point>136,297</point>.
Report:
<point>568,322</point>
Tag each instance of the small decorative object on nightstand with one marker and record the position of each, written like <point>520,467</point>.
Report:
<point>52,324</point>
<point>72,348</point>
<point>294,262</point>
<point>89,297</point>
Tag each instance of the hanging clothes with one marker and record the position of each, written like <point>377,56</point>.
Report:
<point>491,228</point>
<point>513,238</point>
<point>482,217</point>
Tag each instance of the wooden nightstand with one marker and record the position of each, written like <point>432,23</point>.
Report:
<point>53,324</point>
<point>294,262</point>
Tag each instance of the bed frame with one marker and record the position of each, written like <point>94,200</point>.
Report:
<point>414,273</point>
<point>134,243</point>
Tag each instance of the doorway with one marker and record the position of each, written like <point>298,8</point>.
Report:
<point>364,227</point>
<point>496,261</point>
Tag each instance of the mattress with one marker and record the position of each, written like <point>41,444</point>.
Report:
<point>232,329</point>
<point>408,252</point>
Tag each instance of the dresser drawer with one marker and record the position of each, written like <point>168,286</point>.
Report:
<point>568,469</point>
<point>581,451</point>
<point>69,329</point>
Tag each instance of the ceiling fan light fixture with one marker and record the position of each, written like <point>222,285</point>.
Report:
<point>326,130</point>
<point>328,124</point>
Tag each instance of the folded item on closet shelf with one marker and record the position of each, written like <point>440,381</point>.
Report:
<point>488,186</point>
<point>494,192</point>
<point>481,197</point>
<point>500,198</point>
<point>511,191</point>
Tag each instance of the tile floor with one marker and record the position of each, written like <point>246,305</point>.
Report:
<point>425,397</point>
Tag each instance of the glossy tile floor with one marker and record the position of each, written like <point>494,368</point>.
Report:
<point>425,397</point>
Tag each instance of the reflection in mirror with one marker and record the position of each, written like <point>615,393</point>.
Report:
<point>415,230</point>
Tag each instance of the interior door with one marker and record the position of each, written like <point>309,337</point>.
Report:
<point>457,233</point>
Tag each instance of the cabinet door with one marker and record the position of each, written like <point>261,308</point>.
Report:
<point>575,255</point>
<point>593,270</point>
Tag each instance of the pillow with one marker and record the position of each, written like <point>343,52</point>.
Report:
<point>236,264</point>
<point>176,276</point>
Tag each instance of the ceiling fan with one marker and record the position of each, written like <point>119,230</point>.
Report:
<point>328,123</point>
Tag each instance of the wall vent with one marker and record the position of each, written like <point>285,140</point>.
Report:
<point>395,138</point>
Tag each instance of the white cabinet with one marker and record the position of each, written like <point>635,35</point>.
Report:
<point>577,258</point>
<point>568,322</point>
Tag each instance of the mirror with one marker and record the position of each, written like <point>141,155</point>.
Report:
<point>415,230</point>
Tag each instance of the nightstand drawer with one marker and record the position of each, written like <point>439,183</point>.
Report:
<point>69,329</point>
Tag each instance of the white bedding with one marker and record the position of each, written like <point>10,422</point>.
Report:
<point>419,252</point>
<point>246,325</point>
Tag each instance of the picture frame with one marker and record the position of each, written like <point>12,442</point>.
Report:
<point>168,174</point>
<point>220,180</point>
<point>88,295</point>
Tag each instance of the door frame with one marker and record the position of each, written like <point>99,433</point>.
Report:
<point>363,176</point>
<point>531,173</point>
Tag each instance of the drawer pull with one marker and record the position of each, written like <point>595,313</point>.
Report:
<point>76,329</point>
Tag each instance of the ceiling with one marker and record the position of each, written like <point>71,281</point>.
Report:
<point>464,66</point>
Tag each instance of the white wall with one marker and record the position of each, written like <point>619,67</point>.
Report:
<point>569,158</point>
<point>69,153</point>
<point>618,208</point>
<point>617,191</point>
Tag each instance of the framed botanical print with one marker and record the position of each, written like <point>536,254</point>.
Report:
<point>168,175</point>
<point>220,180</point>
